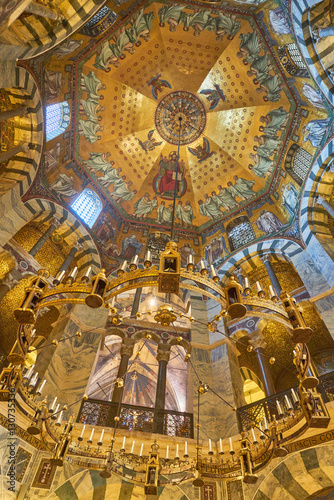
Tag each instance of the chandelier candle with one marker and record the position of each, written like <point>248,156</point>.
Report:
<point>90,440</point>
<point>54,415</point>
<point>132,447</point>
<point>52,407</point>
<point>254,437</point>
<point>177,452</point>
<point>221,446</point>
<point>167,453</point>
<point>288,404</point>
<point>85,277</point>
<point>186,449</point>
<point>40,388</point>
<point>100,442</point>
<point>295,398</point>
<point>123,445</point>
<point>60,417</point>
<point>231,447</point>
<point>141,450</point>
<point>210,446</point>
<point>80,438</point>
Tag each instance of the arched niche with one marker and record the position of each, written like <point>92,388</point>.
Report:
<point>253,386</point>
<point>312,264</point>
<point>320,222</point>
<point>25,129</point>
<point>41,213</point>
<point>40,33</point>
<point>305,472</point>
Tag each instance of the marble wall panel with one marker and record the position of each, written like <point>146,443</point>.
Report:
<point>70,368</point>
<point>310,273</point>
<point>13,215</point>
<point>325,307</point>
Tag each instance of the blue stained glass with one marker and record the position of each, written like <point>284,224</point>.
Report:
<point>100,15</point>
<point>57,119</point>
<point>87,206</point>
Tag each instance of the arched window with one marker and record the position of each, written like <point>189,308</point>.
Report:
<point>302,162</point>
<point>87,206</point>
<point>295,55</point>
<point>297,163</point>
<point>239,232</point>
<point>100,22</point>
<point>57,119</point>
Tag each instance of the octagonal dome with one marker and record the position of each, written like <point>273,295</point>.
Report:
<point>215,70</point>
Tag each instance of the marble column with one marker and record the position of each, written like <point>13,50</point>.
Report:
<point>43,11</point>
<point>7,155</point>
<point>160,395</point>
<point>272,275</point>
<point>238,274</point>
<point>44,238</point>
<point>136,301</point>
<point>10,113</point>
<point>67,262</point>
<point>259,345</point>
<point>6,284</point>
<point>327,206</point>
<point>126,353</point>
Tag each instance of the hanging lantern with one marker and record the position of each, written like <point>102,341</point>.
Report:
<point>246,462</point>
<point>63,444</point>
<point>233,293</point>
<point>99,285</point>
<point>314,408</point>
<point>40,416</point>
<point>301,332</point>
<point>152,471</point>
<point>305,371</point>
<point>169,271</point>
<point>25,313</point>
<point>10,378</point>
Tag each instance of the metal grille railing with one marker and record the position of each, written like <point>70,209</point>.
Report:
<point>255,412</point>
<point>140,418</point>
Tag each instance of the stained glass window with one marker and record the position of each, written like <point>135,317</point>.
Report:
<point>57,119</point>
<point>240,232</point>
<point>301,163</point>
<point>100,15</point>
<point>87,206</point>
<point>295,55</point>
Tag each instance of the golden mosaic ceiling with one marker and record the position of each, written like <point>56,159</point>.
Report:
<point>137,82</point>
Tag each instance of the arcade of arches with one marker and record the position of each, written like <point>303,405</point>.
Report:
<point>89,94</point>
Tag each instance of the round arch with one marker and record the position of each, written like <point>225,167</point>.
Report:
<point>319,182</point>
<point>42,211</point>
<point>285,248</point>
<point>88,484</point>
<point>313,467</point>
<point>22,90</point>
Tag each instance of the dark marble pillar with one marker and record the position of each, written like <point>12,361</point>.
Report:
<point>43,11</point>
<point>259,344</point>
<point>44,238</point>
<point>10,113</point>
<point>126,353</point>
<point>67,262</point>
<point>272,275</point>
<point>7,155</point>
<point>160,395</point>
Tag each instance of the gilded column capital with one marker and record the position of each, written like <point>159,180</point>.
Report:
<point>163,353</point>
<point>127,347</point>
<point>257,340</point>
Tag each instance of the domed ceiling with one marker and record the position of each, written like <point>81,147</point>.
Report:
<point>214,70</point>
<point>252,123</point>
